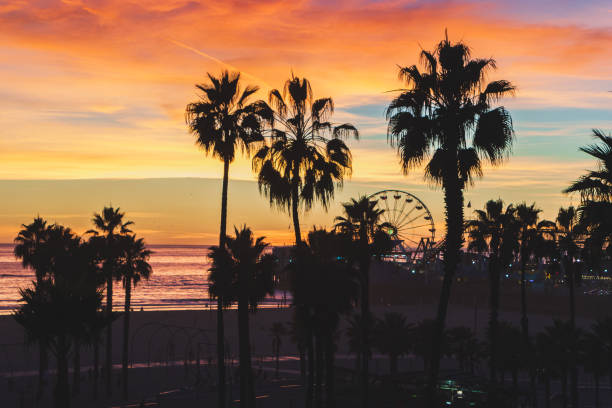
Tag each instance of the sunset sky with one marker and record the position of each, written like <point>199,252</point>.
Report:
<point>97,90</point>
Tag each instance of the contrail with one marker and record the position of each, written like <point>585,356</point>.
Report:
<point>218,61</point>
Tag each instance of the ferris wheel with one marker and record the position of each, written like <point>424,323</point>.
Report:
<point>406,219</point>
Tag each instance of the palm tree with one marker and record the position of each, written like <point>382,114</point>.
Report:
<point>464,346</point>
<point>224,120</point>
<point>595,188</point>
<point>564,340</point>
<point>56,310</point>
<point>361,223</point>
<point>492,232</point>
<point>566,232</point>
<point>594,357</point>
<point>603,329</point>
<point>109,227</point>
<point>392,337</point>
<point>252,278</point>
<point>446,116</point>
<point>28,249</point>
<point>133,267</point>
<point>548,363</point>
<point>328,290</point>
<point>277,331</point>
<point>306,155</point>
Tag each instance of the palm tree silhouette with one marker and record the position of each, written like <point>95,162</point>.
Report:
<point>306,155</point>
<point>109,227</point>
<point>593,357</point>
<point>361,223</point>
<point>28,249</point>
<point>564,341</point>
<point>492,232</point>
<point>252,278</point>
<point>224,120</point>
<point>277,331</point>
<point>56,310</point>
<point>465,347</point>
<point>392,337</point>
<point>446,117</point>
<point>322,295</point>
<point>603,329</point>
<point>133,267</point>
<point>566,235</point>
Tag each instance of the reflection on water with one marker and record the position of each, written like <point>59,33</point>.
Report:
<point>179,280</point>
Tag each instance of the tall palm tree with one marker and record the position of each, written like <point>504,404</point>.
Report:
<point>133,267</point>
<point>492,232</point>
<point>277,331</point>
<point>252,278</point>
<point>446,116</point>
<point>306,155</point>
<point>361,223</point>
<point>109,227</point>
<point>28,249</point>
<point>224,120</point>
<point>392,337</point>
<point>595,189</point>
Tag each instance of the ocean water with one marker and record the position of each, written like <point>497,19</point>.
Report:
<point>179,281</point>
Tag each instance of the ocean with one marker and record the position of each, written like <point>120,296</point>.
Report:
<point>178,281</point>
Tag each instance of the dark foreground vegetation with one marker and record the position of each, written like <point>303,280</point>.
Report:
<point>447,120</point>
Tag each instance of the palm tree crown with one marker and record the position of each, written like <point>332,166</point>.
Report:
<point>306,154</point>
<point>223,119</point>
<point>446,115</point>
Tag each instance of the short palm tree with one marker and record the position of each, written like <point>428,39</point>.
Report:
<point>392,337</point>
<point>603,329</point>
<point>55,312</point>
<point>567,235</point>
<point>224,120</point>
<point>277,331</point>
<point>565,339</point>
<point>109,227</point>
<point>446,117</point>
<point>361,224</point>
<point>492,232</point>
<point>28,249</point>
<point>252,278</point>
<point>133,267</point>
<point>306,158</point>
<point>465,347</point>
<point>594,359</point>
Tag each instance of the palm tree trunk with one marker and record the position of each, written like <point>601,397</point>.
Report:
<point>62,387</point>
<point>453,202</point>
<point>493,318</point>
<point>42,369</point>
<point>596,391</point>
<point>126,334</point>
<point>311,368</point>
<point>296,215</point>
<point>547,391</point>
<point>330,372</point>
<point>393,365</point>
<point>220,325</point>
<point>319,370</point>
<point>109,334</point>
<point>277,350</point>
<point>525,321</point>
<point>564,388</point>
<point>573,368</point>
<point>247,391</point>
<point>96,364</point>
<point>76,374</point>
<point>364,267</point>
